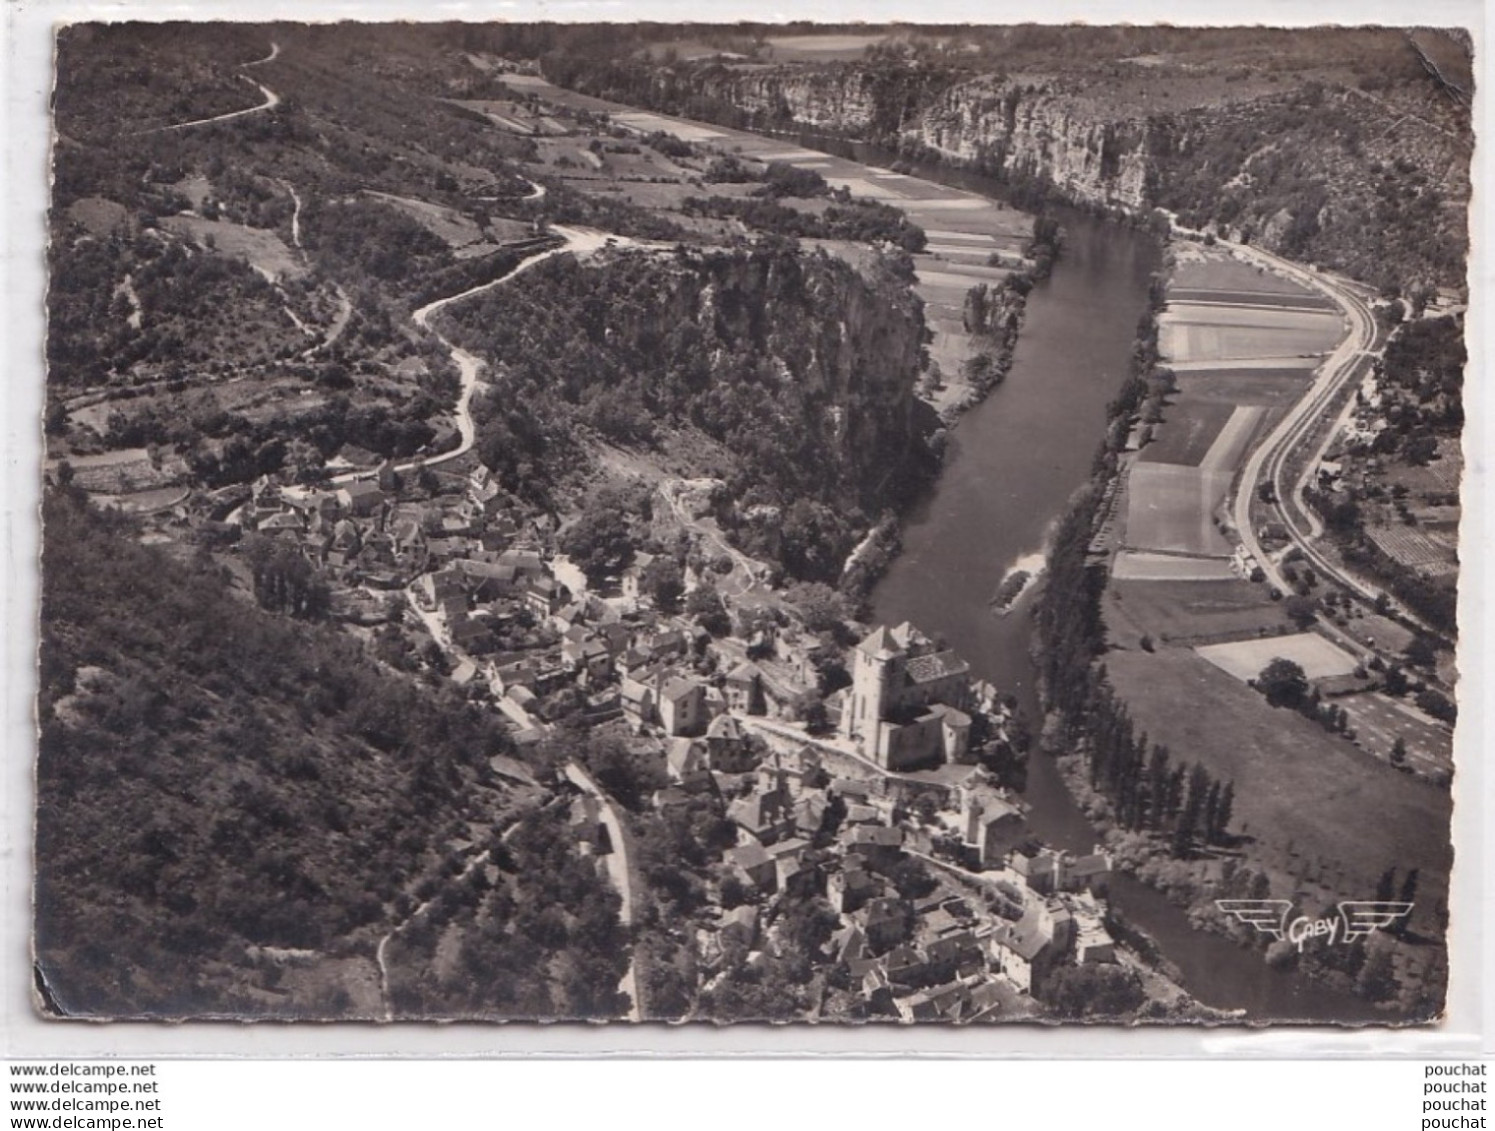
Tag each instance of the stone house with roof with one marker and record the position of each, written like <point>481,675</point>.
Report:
<point>992,825</point>
<point>728,747</point>
<point>767,815</point>
<point>886,921</point>
<point>752,864</point>
<point>852,886</point>
<point>362,497</point>
<point>682,706</point>
<point>743,687</point>
<point>686,762</point>
<point>906,704</point>
<point>1023,953</point>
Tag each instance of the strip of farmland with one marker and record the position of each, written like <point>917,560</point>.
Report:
<point>1250,298</point>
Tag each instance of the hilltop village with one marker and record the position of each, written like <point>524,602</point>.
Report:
<point>469,469</point>
<point>875,806</point>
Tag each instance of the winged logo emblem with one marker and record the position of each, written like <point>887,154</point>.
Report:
<point>1357,919</point>
<point>1362,916</point>
<point>1269,916</point>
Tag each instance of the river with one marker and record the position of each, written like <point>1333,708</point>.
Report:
<point>1013,463</point>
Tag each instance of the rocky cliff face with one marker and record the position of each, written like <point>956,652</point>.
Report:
<point>1003,126</point>
<point>800,369</point>
<point>835,99</point>
<point>1038,133</point>
<point>1320,174</point>
<point>838,358</point>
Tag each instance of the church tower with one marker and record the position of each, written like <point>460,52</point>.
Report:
<point>876,664</point>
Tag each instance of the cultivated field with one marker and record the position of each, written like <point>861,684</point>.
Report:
<point>972,255</point>
<point>1240,312</point>
<point>1378,721</point>
<point>951,275</point>
<point>1413,547</point>
<point>1216,341</point>
<point>1187,433</point>
<point>766,150</point>
<point>1211,269</point>
<point>936,206</point>
<point>1135,565</point>
<point>1248,365</point>
<point>1442,475</point>
<point>1309,800</point>
<point>1378,632</point>
<point>1225,343</point>
<point>1249,298</point>
<point>1199,611</point>
<point>1234,439</point>
<point>1318,657</point>
<point>1274,388</point>
<point>1171,507</point>
<point>1327,323</point>
<point>644,123</point>
<point>1208,433</point>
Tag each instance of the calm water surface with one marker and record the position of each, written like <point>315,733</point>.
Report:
<point>1014,463</point>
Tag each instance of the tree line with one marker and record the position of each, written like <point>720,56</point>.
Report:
<point>1147,787</point>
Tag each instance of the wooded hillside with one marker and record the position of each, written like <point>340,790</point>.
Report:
<point>214,780</point>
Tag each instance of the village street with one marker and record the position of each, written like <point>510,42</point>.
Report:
<point>617,862</point>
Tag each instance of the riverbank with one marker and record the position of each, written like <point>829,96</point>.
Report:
<point>1012,473</point>
<point>976,312</point>
<point>1178,828</point>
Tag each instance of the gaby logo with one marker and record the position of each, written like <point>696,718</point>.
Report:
<point>1357,918</point>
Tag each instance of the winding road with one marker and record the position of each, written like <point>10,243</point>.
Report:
<point>578,241</point>
<point>744,578</point>
<point>381,951</point>
<point>271,101</point>
<point>469,365</point>
<point>1271,455</point>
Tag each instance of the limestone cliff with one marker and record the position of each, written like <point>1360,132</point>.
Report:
<point>1322,174</point>
<point>1005,126</point>
<point>789,375</point>
<point>1011,129</point>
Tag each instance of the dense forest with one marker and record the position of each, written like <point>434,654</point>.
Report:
<point>215,780</point>
<point>796,366</point>
<point>528,932</point>
<point>1328,189</point>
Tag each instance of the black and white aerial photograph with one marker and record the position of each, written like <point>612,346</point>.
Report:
<point>810,523</point>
